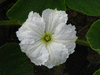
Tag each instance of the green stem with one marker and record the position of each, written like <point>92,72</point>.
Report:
<point>8,23</point>
<point>82,42</point>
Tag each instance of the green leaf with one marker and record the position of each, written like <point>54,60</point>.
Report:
<point>13,61</point>
<point>97,72</point>
<point>93,36</point>
<point>88,7</point>
<point>22,8</point>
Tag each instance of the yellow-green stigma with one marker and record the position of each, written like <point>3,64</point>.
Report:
<point>47,38</point>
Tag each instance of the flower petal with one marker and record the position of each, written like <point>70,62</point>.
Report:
<point>32,29</point>
<point>37,52</point>
<point>71,46</point>
<point>53,18</point>
<point>58,54</point>
<point>66,34</point>
<point>26,35</point>
<point>35,22</point>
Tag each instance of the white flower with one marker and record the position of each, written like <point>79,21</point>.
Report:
<point>47,40</point>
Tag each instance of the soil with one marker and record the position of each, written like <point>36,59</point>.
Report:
<point>83,61</point>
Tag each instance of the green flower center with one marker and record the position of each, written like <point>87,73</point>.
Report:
<point>46,38</point>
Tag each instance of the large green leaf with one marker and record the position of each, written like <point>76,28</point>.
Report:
<point>97,72</point>
<point>13,61</point>
<point>88,7</point>
<point>93,36</point>
<point>22,8</point>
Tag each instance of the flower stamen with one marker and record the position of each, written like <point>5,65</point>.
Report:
<point>47,38</point>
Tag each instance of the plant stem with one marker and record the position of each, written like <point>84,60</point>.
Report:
<point>8,23</point>
<point>82,42</point>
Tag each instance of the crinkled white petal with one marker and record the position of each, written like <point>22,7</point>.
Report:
<point>32,29</point>
<point>58,53</point>
<point>53,18</point>
<point>26,35</point>
<point>35,22</point>
<point>71,46</point>
<point>67,31</point>
<point>32,15</point>
<point>37,52</point>
<point>66,34</point>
